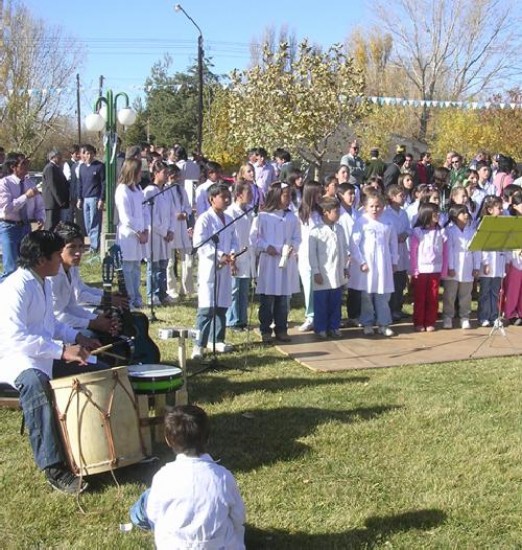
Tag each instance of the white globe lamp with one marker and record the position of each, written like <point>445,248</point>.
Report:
<point>126,116</point>
<point>94,122</point>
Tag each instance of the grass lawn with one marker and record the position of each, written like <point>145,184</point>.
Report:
<point>426,456</point>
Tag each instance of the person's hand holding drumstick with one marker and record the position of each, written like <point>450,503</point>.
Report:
<point>81,350</point>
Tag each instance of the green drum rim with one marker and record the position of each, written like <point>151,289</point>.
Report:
<point>155,386</point>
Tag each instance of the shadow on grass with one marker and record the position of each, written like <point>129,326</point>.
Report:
<point>210,390</point>
<point>377,528</point>
<point>255,438</point>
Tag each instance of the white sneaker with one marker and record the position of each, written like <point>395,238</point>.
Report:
<point>485,323</point>
<point>221,347</point>
<point>386,331</point>
<point>306,326</point>
<point>368,331</point>
<point>197,352</point>
<point>155,301</point>
<point>465,324</point>
<point>447,323</point>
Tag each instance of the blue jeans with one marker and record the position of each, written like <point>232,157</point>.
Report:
<point>157,279</point>
<point>10,237</point>
<point>327,309</point>
<point>36,403</point>
<point>375,309</point>
<point>237,313</point>
<point>132,277</point>
<point>205,327</point>
<point>138,514</point>
<point>273,309</point>
<point>489,292</point>
<point>93,220</point>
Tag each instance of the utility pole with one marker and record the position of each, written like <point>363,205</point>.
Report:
<point>78,109</point>
<point>102,78</point>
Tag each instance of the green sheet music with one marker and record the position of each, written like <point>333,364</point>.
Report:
<point>498,233</point>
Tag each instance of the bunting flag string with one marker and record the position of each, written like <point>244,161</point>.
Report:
<point>376,100</point>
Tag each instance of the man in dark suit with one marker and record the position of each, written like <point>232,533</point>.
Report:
<point>393,171</point>
<point>55,190</point>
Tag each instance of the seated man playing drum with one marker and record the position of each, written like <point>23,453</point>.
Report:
<point>35,347</point>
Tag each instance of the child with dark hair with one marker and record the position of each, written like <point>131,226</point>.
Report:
<point>463,266</point>
<point>395,215</point>
<point>213,301</point>
<point>309,216</point>
<point>181,242</point>
<point>193,502</point>
<point>275,237</point>
<point>161,233</point>
<point>213,172</point>
<point>349,214</point>
<point>492,271</point>
<point>513,281</point>
<point>428,255</point>
<point>240,210</point>
<point>328,255</point>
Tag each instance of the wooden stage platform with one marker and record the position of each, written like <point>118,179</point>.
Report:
<point>355,351</point>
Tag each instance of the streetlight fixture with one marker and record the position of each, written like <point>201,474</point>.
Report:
<point>105,116</point>
<point>179,8</point>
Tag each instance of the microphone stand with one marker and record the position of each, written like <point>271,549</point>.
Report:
<point>214,363</point>
<point>150,201</point>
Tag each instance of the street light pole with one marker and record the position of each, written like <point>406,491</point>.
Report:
<point>201,55</point>
<point>96,121</point>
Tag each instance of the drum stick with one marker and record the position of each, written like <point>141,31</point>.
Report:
<point>109,354</point>
<point>102,349</point>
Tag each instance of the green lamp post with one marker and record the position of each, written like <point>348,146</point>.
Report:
<point>106,116</point>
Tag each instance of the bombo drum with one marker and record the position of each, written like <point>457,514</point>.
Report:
<point>153,379</point>
<point>99,420</point>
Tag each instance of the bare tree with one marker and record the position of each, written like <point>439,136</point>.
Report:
<point>452,48</point>
<point>37,63</point>
<point>269,42</point>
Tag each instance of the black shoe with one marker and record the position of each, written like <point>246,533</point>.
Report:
<point>283,337</point>
<point>64,481</point>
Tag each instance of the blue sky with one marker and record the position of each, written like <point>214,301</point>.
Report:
<point>123,38</point>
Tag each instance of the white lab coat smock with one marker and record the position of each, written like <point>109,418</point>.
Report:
<point>30,336</point>
<point>399,220</point>
<point>179,204</point>
<point>328,254</point>
<point>195,503</point>
<point>207,225</point>
<point>161,224</point>
<point>373,243</point>
<point>131,216</point>
<point>460,259</point>
<point>276,229</point>
<point>246,263</point>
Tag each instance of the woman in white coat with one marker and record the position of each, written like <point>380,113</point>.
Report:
<point>132,232</point>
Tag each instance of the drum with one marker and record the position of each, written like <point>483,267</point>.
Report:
<point>153,379</point>
<point>99,421</point>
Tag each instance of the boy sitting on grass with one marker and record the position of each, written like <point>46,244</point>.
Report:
<point>193,502</point>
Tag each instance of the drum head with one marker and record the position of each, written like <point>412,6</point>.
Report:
<point>154,378</point>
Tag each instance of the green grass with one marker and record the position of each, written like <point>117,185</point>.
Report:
<point>426,456</point>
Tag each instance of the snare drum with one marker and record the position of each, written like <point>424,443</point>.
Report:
<point>153,379</point>
<point>99,420</point>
